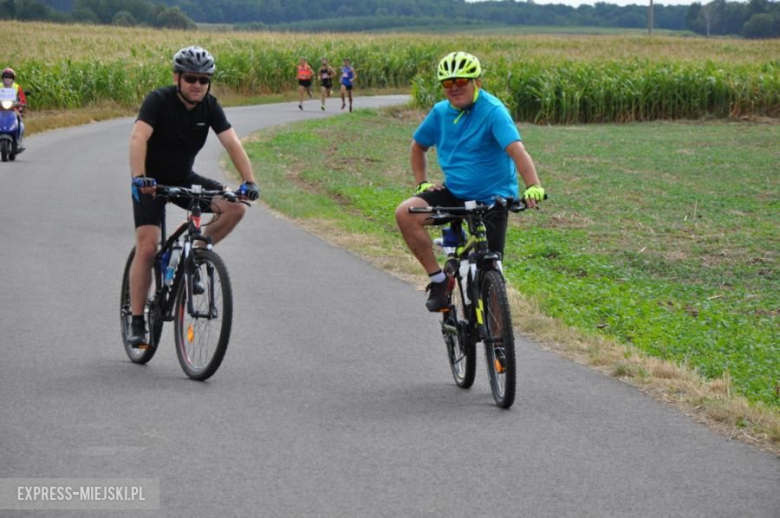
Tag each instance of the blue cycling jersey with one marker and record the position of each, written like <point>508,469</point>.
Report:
<point>470,146</point>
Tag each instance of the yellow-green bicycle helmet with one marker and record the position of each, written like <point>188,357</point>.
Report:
<point>458,64</point>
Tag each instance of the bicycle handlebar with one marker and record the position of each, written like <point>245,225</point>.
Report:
<point>169,191</point>
<point>471,207</point>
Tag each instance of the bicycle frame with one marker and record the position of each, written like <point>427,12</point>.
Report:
<point>191,230</point>
<point>480,259</point>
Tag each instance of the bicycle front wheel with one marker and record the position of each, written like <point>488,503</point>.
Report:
<point>455,328</point>
<point>152,315</point>
<point>202,328</point>
<point>499,339</point>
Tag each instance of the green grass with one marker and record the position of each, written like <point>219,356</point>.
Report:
<point>663,236</point>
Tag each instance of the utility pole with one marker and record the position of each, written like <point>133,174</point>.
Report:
<point>650,19</point>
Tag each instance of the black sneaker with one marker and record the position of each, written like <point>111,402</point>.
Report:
<point>197,284</point>
<point>137,336</point>
<point>198,288</point>
<point>438,300</point>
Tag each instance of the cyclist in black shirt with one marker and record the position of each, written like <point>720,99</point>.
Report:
<point>170,130</point>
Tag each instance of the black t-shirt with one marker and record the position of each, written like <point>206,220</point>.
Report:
<point>178,133</point>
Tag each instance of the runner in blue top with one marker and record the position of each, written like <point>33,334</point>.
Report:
<point>348,77</point>
<point>480,152</point>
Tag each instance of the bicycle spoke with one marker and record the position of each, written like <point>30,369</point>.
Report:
<point>152,317</point>
<point>202,334</point>
<point>460,351</point>
<point>499,343</point>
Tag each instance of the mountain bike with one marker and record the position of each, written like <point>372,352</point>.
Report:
<point>479,308</point>
<point>190,285</point>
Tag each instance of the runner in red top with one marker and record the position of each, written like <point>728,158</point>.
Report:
<point>305,76</point>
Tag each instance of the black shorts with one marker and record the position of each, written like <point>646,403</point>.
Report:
<point>495,219</point>
<point>150,210</point>
<point>306,83</point>
<point>328,85</point>
<point>348,87</point>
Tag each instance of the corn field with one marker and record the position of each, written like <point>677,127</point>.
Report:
<point>543,79</point>
<point>627,91</point>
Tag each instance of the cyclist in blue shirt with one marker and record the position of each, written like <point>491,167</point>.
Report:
<point>480,151</point>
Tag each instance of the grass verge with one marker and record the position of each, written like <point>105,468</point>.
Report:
<point>655,260</point>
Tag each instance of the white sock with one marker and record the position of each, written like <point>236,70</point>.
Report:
<point>437,277</point>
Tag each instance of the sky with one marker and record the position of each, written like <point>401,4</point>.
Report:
<point>575,3</point>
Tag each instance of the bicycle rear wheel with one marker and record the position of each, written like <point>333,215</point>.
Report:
<point>152,315</point>
<point>202,335</point>
<point>455,328</point>
<point>500,340</point>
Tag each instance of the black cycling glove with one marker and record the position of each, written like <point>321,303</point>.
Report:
<point>250,190</point>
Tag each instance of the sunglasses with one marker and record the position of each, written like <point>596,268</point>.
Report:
<point>199,79</point>
<point>8,77</point>
<point>460,82</point>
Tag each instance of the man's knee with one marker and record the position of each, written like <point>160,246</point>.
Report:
<point>404,218</point>
<point>146,243</point>
<point>230,210</point>
<point>145,250</point>
<point>402,214</point>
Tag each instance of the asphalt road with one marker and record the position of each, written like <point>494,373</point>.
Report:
<point>335,397</point>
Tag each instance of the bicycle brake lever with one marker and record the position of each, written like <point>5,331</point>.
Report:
<point>517,205</point>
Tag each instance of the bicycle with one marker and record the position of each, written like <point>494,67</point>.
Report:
<point>479,308</point>
<point>191,286</point>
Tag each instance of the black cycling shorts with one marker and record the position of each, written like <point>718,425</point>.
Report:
<point>150,210</point>
<point>495,219</point>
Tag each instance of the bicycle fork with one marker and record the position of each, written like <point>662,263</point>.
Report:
<point>492,339</point>
<point>193,279</point>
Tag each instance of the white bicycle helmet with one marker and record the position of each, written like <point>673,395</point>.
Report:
<point>194,59</point>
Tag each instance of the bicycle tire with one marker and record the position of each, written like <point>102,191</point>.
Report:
<point>461,350</point>
<point>500,340</point>
<point>198,358</point>
<point>152,315</point>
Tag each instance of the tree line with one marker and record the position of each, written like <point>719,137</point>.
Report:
<point>105,12</point>
<point>754,19</point>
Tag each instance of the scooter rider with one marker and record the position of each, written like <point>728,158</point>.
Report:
<point>9,81</point>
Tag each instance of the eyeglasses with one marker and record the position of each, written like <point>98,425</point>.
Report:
<point>460,82</point>
<point>8,77</point>
<point>193,79</point>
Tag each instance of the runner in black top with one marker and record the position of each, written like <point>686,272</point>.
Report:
<point>170,130</point>
<point>326,75</point>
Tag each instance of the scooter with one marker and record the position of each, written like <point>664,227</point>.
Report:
<point>11,127</point>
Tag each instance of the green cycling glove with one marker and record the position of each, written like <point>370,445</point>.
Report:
<point>422,187</point>
<point>535,192</point>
